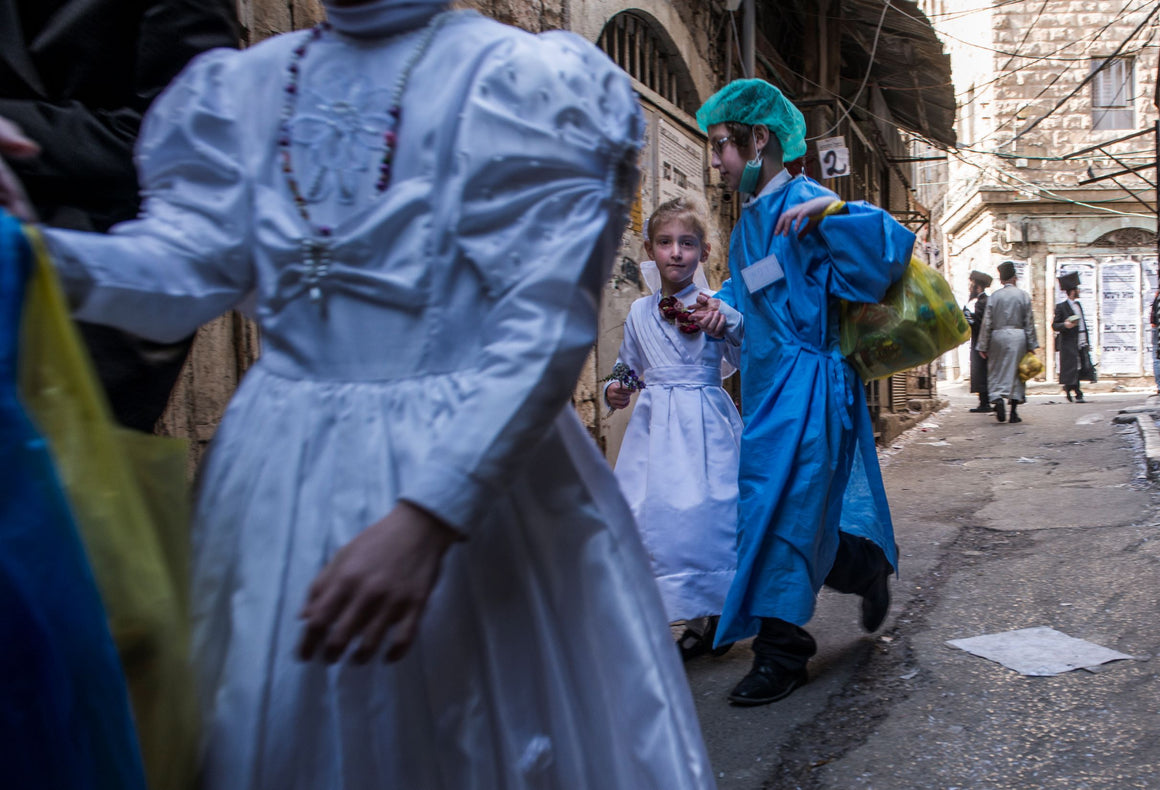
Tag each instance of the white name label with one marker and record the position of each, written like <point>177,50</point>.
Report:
<point>762,273</point>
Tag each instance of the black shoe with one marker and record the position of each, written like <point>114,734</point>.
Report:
<point>876,602</point>
<point>1068,393</point>
<point>693,643</point>
<point>1000,411</point>
<point>982,408</point>
<point>1079,397</point>
<point>1014,415</point>
<point>767,682</point>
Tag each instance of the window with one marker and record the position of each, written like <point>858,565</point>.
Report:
<point>1113,92</point>
<point>639,45</point>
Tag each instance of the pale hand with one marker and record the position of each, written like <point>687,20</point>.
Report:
<point>378,583</point>
<point>617,395</point>
<point>707,314</point>
<point>14,145</point>
<point>1069,324</point>
<point>800,218</point>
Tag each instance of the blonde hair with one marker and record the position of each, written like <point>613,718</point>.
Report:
<point>681,209</point>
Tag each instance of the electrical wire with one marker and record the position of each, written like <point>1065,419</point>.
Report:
<point>1013,116</point>
<point>866,78</point>
<point>1026,35</point>
<point>1090,76</point>
<point>985,48</point>
<point>1054,196</point>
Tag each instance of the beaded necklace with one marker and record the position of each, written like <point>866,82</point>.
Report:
<point>316,251</point>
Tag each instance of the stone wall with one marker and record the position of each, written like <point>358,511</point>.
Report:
<point>1011,195</point>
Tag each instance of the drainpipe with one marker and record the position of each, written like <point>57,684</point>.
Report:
<point>749,38</point>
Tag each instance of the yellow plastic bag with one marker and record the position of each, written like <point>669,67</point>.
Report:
<point>915,323</point>
<point>130,497</point>
<point>1029,366</point>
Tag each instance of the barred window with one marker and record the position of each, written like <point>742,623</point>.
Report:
<point>640,46</point>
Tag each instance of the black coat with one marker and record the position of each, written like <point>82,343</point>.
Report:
<point>1069,343</point>
<point>978,364</point>
<point>77,76</point>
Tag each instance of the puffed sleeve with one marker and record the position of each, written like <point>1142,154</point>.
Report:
<point>184,260</point>
<point>549,136</point>
<point>869,251</point>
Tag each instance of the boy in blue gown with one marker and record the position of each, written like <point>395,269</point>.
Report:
<point>812,507</point>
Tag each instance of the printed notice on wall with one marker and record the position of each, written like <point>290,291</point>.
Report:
<point>681,163</point>
<point>1120,318</point>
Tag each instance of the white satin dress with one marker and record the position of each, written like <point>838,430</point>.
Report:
<point>436,367</point>
<point>678,461</point>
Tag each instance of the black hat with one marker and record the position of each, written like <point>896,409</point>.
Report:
<point>983,279</point>
<point>1069,281</point>
<point>1006,270</point>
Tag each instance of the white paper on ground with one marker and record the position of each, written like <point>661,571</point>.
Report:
<point>1040,651</point>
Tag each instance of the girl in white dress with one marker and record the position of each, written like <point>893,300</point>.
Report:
<point>678,462</point>
<point>421,208</point>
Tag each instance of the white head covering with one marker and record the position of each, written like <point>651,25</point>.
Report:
<point>652,277</point>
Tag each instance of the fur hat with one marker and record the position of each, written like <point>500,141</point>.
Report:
<point>1069,281</point>
<point>983,279</point>
<point>1006,270</point>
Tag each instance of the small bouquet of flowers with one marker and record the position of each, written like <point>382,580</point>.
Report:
<point>625,376</point>
<point>675,312</point>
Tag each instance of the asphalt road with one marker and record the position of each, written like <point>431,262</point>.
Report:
<point>1050,522</point>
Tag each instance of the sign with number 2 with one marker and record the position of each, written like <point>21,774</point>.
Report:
<point>834,157</point>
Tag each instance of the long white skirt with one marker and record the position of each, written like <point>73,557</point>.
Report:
<point>678,470</point>
<point>544,659</point>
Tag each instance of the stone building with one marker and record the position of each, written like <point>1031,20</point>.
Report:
<point>1056,118</point>
<point>866,73</point>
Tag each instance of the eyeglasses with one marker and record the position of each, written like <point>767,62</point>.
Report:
<point>719,144</point>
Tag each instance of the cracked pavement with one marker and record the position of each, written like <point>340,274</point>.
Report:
<point>1050,522</point>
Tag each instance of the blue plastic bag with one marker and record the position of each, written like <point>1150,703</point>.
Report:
<point>65,720</point>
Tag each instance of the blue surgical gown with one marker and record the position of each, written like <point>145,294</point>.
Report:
<point>808,461</point>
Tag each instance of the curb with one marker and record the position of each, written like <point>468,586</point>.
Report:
<point>1148,433</point>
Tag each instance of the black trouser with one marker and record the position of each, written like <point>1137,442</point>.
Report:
<point>857,565</point>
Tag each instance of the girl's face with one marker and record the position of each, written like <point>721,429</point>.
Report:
<point>678,249</point>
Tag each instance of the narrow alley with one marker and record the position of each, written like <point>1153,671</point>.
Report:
<point>1048,523</point>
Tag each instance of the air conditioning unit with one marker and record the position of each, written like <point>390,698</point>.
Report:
<point>1020,162</point>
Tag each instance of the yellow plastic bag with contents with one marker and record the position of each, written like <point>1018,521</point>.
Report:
<point>1030,366</point>
<point>917,321</point>
<point>130,498</point>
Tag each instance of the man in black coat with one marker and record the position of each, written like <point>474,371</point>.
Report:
<point>979,284</point>
<point>1073,335</point>
<point>77,76</point>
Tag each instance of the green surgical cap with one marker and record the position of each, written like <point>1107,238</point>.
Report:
<point>754,102</point>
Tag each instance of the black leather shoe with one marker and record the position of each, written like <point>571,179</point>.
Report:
<point>982,408</point>
<point>1079,397</point>
<point>1014,415</point>
<point>876,602</point>
<point>1068,394</point>
<point>1000,411</point>
<point>767,682</point>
